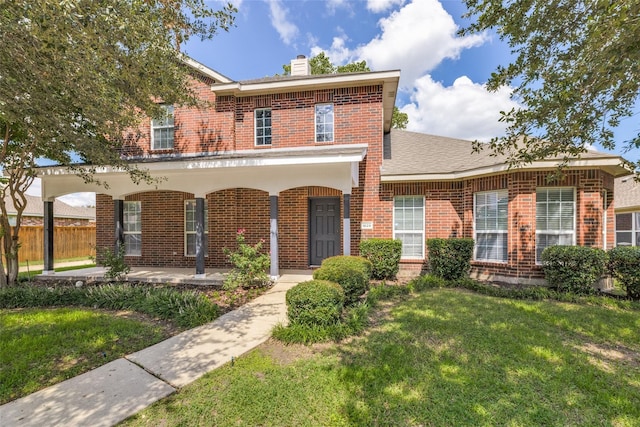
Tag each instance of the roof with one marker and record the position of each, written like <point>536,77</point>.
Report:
<point>411,156</point>
<point>627,193</point>
<point>35,207</point>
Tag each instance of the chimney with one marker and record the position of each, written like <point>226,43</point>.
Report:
<point>300,66</point>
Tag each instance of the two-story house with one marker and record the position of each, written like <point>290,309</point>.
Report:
<point>310,164</point>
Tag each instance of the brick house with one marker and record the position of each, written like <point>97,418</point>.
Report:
<point>627,208</point>
<point>310,164</point>
<point>65,215</point>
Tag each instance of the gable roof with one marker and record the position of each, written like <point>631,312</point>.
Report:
<point>412,156</point>
<point>35,207</point>
<point>627,193</point>
<point>204,70</point>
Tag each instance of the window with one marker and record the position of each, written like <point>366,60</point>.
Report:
<point>132,228</point>
<point>263,126</point>
<point>628,229</point>
<point>324,123</point>
<point>408,225</point>
<point>162,130</point>
<point>490,215</point>
<point>555,218</point>
<point>190,227</point>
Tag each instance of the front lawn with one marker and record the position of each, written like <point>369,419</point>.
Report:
<point>41,347</point>
<point>445,357</point>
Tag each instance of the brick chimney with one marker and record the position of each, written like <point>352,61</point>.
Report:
<point>300,66</point>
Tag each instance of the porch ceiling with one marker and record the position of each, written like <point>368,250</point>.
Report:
<point>271,171</point>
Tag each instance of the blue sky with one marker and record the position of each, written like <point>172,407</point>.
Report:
<point>443,75</point>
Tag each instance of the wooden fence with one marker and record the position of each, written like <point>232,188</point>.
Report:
<point>68,242</point>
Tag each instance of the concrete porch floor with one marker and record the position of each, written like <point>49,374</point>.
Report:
<point>212,276</point>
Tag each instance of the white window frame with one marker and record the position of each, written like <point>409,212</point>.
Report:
<point>556,232</point>
<point>188,232</point>
<point>167,122</point>
<point>500,194</point>
<point>261,140</point>
<point>136,230</point>
<point>635,227</point>
<point>398,232</point>
<point>322,125</point>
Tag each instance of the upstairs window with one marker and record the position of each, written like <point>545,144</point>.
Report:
<point>555,218</point>
<point>263,126</point>
<point>162,130</point>
<point>490,216</point>
<point>132,228</point>
<point>324,123</point>
<point>190,227</point>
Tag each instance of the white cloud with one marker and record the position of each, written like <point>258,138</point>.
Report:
<point>74,199</point>
<point>280,21</point>
<point>377,6</point>
<point>416,39</point>
<point>464,110</point>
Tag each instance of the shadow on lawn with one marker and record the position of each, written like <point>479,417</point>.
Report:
<point>453,358</point>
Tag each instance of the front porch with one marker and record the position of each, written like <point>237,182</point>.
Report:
<point>177,276</point>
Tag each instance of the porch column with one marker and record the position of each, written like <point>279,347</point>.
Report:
<point>118,220</point>
<point>200,241</point>
<point>48,238</point>
<point>346,225</point>
<point>273,241</point>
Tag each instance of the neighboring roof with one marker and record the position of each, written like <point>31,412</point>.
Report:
<point>627,193</point>
<point>282,84</point>
<point>35,207</point>
<point>411,156</point>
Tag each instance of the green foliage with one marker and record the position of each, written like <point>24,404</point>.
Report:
<point>574,269</point>
<point>350,272</point>
<point>399,120</point>
<point>450,258</point>
<point>576,72</point>
<point>624,265</point>
<point>382,291</point>
<point>315,303</point>
<point>116,267</point>
<point>384,255</point>
<point>185,309</point>
<point>250,265</point>
<point>427,281</point>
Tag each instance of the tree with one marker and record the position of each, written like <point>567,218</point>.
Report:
<point>321,64</point>
<point>575,69</point>
<point>75,74</point>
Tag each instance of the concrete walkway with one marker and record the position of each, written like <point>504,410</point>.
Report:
<point>119,389</point>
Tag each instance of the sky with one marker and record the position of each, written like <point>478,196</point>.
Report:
<point>442,74</point>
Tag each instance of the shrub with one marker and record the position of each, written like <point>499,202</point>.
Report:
<point>624,265</point>
<point>384,292</point>
<point>573,269</point>
<point>250,264</point>
<point>384,255</point>
<point>315,303</point>
<point>350,272</point>
<point>113,261</point>
<point>450,258</point>
<point>427,281</point>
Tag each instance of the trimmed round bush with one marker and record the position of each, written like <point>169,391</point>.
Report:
<point>350,272</point>
<point>624,265</point>
<point>574,269</point>
<point>450,259</point>
<point>315,303</point>
<point>384,255</point>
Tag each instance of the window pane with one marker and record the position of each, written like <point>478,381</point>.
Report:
<point>623,222</point>
<point>324,122</point>
<point>263,126</point>
<point>409,224</point>
<point>133,244</point>
<point>555,218</point>
<point>623,238</point>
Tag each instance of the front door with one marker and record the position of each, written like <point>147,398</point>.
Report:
<point>324,228</point>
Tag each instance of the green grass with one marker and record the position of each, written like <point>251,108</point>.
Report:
<point>40,262</point>
<point>445,357</point>
<point>40,347</point>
